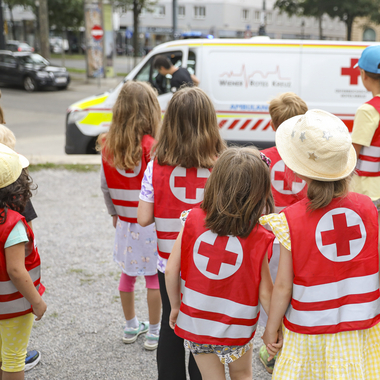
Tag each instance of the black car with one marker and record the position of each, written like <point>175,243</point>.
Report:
<point>32,71</point>
<point>19,46</point>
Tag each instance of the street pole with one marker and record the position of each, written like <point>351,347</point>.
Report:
<point>175,19</point>
<point>263,21</point>
<point>2,39</point>
<point>44,28</point>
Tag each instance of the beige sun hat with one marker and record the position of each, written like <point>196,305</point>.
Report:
<point>11,165</point>
<point>316,145</point>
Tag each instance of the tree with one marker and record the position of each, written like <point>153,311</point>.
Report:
<point>347,11</point>
<point>136,6</point>
<point>11,4</point>
<point>307,8</point>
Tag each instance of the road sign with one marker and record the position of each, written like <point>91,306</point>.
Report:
<point>97,32</point>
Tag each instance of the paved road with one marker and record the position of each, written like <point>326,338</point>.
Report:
<point>38,119</point>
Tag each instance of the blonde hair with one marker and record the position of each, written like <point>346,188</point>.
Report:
<point>136,113</point>
<point>7,137</point>
<point>285,106</point>
<point>237,192</point>
<point>189,135</point>
<point>320,193</point>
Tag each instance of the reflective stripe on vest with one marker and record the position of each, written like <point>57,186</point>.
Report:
<point>7,287</point>
<point>211,304</point>
<point>126,196</point>
<point>16,306</point>
<point>167,225</point>
<point>368,164</point>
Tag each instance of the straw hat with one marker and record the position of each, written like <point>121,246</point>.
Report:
<point>316,145</point>
<point>11,165</point>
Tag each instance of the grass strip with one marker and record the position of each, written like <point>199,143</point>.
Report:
<point>72,167</point>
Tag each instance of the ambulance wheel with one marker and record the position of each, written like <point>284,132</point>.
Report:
<point>30,84</point>
<point>91,147</point>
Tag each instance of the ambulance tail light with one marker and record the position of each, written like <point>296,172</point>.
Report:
<point>75,116</point>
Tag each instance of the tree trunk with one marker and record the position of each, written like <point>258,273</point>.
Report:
<point>136,13</point>
<point>349,22</point>
<point>12,22</point>
<point>320,17</point>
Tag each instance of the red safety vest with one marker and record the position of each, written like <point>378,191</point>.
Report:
<point>287,188</point>
<point>220,283</point>
<point>336,266</point>
<point>124,185</point>
<point>368,164</point>
<point>176,189</point>
<point>12,302</point>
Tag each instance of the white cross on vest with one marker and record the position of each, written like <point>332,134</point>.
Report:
<point>284,180</point>
<point>340,234</point>
<point>217,257</point>
<point>130,173</point>
<point>183,184</point>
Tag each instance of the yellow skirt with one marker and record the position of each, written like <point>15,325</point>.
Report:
<point>349,355</point>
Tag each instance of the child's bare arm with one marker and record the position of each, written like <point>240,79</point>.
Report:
<point>173,280</point>
<point>281,297</point>
<point>266,285</point>
<point>15,261</point>
<point>145,213</point>
<point>357,148</point>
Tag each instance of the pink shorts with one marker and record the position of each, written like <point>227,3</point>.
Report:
<point>127,283</point>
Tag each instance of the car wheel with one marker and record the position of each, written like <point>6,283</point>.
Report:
<point>30,84</point>
<point>62,88</point>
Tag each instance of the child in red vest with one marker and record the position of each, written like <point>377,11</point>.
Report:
<point>327,285</point>
<point>125,154</point>
<point>220,264</point>
<point>20,286</point>
<point>188,146</point>
<point>287,188</point>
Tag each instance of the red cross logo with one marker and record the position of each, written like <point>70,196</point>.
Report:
<point>351,72</point>
<point>287,177</point>
<point>191,183</point>
<point>217,254</point>
<point>341,235</point>
<point>130,173</point>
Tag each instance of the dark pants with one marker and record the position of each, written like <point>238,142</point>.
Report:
<point>170,351</point>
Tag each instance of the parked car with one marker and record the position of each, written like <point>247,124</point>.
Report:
<point>32,71</point>
<point>19,46</point>
<point>57,43</point>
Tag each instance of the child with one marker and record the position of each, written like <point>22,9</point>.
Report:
<point>125,154</point>
<point>188,146</point>
<point>221,255</point>
<point>366,131</point>
<point>287,188</point>
<point>329,263</point>
<point>20,265</point>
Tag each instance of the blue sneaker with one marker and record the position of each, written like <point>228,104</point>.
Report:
<point>32,359</point>
<point>131,334</point>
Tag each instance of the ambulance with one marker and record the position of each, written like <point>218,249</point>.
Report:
<point>240,76</point>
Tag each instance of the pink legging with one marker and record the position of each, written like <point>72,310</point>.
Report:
<point>127,283</point>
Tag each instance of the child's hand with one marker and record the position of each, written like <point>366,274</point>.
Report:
<point>114,220</point>
<point>269,337</point>
<point>173,317</point>
<point>39,309</point>
<point>273,348</point>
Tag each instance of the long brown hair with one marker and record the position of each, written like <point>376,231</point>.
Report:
<point>237,192</point>
<point>136,113</point>
<point>189,135</point>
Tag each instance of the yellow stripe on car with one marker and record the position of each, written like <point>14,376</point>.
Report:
<point>97,118</point>
<point>91,103</point>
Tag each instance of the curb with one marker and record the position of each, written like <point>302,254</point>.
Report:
<point>70,159</point>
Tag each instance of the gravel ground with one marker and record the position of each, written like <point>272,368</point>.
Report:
<point>80,335</point>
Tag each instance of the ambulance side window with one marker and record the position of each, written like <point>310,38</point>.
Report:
<point>191,63</point>
<point>144,73</point>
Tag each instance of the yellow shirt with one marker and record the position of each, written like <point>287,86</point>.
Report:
<point>365,124</point>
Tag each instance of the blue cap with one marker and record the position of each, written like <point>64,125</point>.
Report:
<point>370,59</point>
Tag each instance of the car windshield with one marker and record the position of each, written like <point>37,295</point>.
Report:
<point>33,58</point>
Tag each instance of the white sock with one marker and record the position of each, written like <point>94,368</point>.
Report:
<point>132,323</point>
<point>154,329</point>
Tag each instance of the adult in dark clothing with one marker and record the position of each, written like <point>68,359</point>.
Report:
<point>180,75</point>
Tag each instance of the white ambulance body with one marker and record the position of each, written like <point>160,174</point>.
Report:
<point>241,76</point>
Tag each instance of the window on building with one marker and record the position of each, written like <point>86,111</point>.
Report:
<point>181,11</point>
<point>199,12</point>
<point>257,16</point>
<point>269,17</point>
<point>159,11</point>
<point>369,35</point>
<point>245,14</point>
